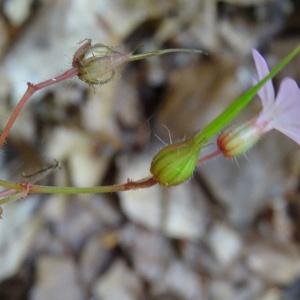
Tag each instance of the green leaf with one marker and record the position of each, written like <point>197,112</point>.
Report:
<point>240,103</point>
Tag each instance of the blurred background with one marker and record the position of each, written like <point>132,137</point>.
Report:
<point>230,233</point>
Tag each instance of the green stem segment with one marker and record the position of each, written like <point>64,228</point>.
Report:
<point>209,156</point>
<point>141,56</point>
<point>66,190</point>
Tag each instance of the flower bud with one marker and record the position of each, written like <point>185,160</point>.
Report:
<point>175,163</point>
<point>240,139</point>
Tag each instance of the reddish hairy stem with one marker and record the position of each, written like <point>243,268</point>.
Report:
<point>31,89</point>
<point>210,156</point>
<point>6,193</point>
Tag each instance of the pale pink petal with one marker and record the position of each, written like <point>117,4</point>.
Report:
<point>286,114</point>
<point>287,95</point>
<point>266,93</point>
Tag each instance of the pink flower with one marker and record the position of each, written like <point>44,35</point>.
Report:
<point>281,112</point>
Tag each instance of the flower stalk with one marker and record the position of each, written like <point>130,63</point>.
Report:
<point>22,190</point>
<point>93,64</point>
<point>31,89</point>
<point>174,163</point>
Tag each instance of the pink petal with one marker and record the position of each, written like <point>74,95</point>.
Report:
<point>286,113</point>
<point>266,93</point>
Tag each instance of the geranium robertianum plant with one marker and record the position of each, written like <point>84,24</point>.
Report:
<point>281,113</point>
<point>175,163</point>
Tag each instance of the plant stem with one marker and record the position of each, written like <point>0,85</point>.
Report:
<point>31,89</point>
<point>65,190</point>
<point>7,193</point>
<point>209,156</point>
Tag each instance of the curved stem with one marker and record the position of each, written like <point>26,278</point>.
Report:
<point>31,89</point>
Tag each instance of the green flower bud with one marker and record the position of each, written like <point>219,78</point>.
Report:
<point>175,163</point>
<point>240,139</point>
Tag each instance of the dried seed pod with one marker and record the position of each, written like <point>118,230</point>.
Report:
<point>97,64</point>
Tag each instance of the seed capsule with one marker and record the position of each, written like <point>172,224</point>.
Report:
<point>175,163</point>
<point>97,63</point>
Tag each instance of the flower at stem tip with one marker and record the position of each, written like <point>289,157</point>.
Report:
<point>280,112</point>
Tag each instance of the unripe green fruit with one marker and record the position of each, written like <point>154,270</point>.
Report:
<point>175,163</point>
